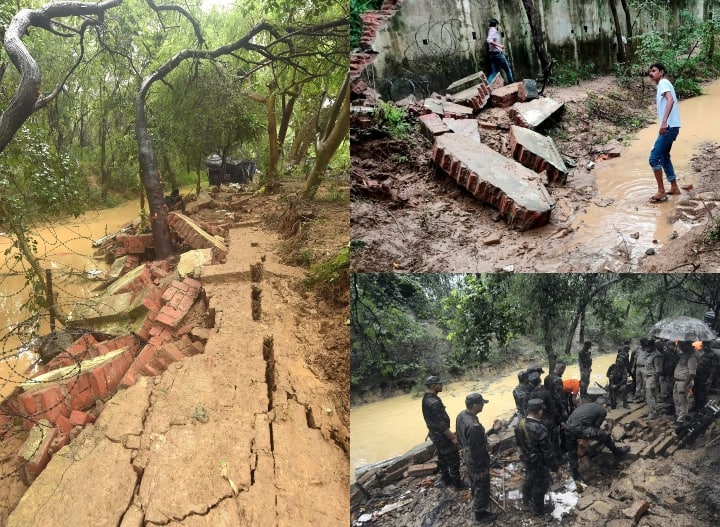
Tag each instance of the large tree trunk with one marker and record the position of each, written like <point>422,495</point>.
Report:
<point>536,31</point>
<point>630,51</point>
<point>618,32</point>
<point>152,182</point>
<point>335,131</point>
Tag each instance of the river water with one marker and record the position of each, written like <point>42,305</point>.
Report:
<point>66,248</point>
<point>391,427</point>
<point>602,234</point>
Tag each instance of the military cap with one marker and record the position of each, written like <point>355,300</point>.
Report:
<point>588,343</point>
<point>533,405</point>
<point>433,379</point>
<point>537,369</point>
<point>523,376</point>
<point>601,400</point>
<point>534,377</point>
<point>475,398</point>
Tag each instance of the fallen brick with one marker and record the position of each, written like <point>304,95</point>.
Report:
<point>636,510</point>
<point>79,418</point>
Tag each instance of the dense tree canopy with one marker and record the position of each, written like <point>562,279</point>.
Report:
<point>94,94</point>
<point>406,326</point>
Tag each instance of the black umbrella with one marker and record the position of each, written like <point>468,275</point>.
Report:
<point>682,328</point>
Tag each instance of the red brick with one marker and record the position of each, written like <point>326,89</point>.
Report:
<point>60,441</point>
<point>98,383</point>
<point>81,418</point>
<point>170,353</point>
<point>150,370</point>
<point>128,379</point>
<point>28,403</point>
<point>169,294</point>
<point>144,332</point>
<point>63,424</point>
<point>50,397</point>
<point>186,303</point>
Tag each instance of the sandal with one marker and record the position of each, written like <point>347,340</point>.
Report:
<point>656,199</point>
<point>674,193</point>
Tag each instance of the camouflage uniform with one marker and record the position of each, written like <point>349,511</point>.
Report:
<point>471,435</point>
<point>653,367</point>
<point>702,377</point>
<point>539,459</point>
<point>438,421</point>
<point>520,394</point>
<point>585,363</point>
<point>684,374</point>
<point>547,419</point>
<point>617,376</point>
<point>584,423</point>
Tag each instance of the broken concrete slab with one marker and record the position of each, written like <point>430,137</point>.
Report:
<point>432,125</point>
<point>457,111</point>
<point>464,127</point>
<point>192,262</point>
<point>534,113</point>
<point>475,97</point>
<point>194,236</point>
<point>467,82</point>
<point>94,311</point>
<point>507,185</point>
<point>537,152</point>
<point>527,90</point>
<point>434,106</point>
<point>505,96</point>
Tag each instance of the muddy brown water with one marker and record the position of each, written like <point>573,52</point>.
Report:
<point>66,248</point>
<point>621,224</point>
<point>391,427</point>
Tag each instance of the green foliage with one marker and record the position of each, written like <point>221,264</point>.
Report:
<point>331,271</point>
<point>357,8</point>
<point>714,234</point>
<point>392,118</point>
<point>570,75</point>
<point>477,313</point>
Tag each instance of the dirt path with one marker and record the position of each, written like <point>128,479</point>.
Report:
<point>250,432</point>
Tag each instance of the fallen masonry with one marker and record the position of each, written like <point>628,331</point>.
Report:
<point>513,189</point>
<point>641,485</point>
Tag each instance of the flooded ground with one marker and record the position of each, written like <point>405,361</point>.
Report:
<point>391,427</point>
<point>407,217</point>
<point>621,223</point>
<point>66,248</point>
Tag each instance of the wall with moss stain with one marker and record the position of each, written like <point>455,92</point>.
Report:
<point>428,44</point>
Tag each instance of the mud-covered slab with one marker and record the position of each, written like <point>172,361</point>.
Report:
<point>467,82</point>
<point>501,182</point>
<point>534,113</point>
<point>538,153</point>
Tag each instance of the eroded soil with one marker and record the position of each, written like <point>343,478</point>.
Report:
<point>407,217</point>
<point>266,406</point>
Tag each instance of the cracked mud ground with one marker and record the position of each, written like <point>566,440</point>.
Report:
<point>248,433</point>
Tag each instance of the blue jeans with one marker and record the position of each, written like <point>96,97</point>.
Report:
<point>498,60</point>
<point>660,154</point>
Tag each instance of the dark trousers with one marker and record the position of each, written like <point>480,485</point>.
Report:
<point>573,435</point>
<point>448,458</point>
<point>537,483</point>
<point>480,484</point>
<point>499,62</point>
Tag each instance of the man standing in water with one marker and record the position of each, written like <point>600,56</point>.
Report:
<point>438,424</point>
<point>471,435</point>
<point>669,115</point>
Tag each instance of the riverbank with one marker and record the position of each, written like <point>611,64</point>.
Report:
<point>254,430</point>
<point>660,482</point>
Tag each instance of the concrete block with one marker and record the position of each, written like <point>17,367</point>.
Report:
<point>495,179</point>
<point>538,153</point>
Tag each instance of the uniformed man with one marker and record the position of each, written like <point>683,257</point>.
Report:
<point>617,382</point>
<point>540,392</point>
<point>684,374</point>
<point>641,358</point>
<point>473,440</point>
<point>584,423</point>
<point>653,368</point>
<point>585,363</point>
<point>521,392</point>
<point>438,424</point>
<point>705,360</point>
<point>537,455</point>
<point>554,386</point>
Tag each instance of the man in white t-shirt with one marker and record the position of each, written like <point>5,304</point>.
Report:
<point>496,54</point>
<point>669,115</point>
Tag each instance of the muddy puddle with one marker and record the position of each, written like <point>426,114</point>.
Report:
<point>391,427</point>
<point>66,248</point>
<point>620,225</point>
